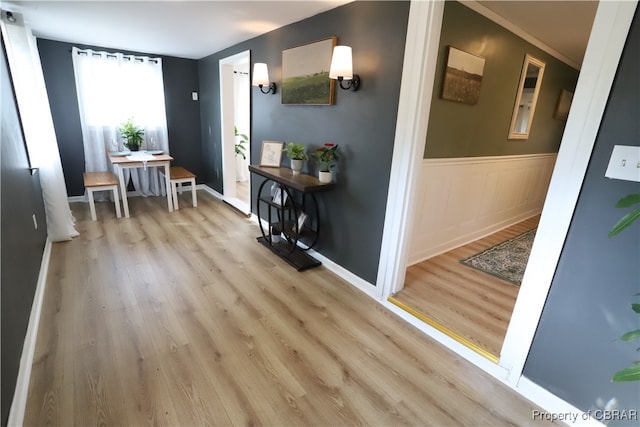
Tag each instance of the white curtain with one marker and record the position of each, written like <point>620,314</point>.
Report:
<point>40,137</point>
<point>112,87</point>
<point>241,87</point>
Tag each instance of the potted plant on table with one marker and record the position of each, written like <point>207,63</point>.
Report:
<point>296,153</point>
<point>132,134</point>
<point>325,156</point>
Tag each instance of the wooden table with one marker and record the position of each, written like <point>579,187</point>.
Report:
<point>284,242</point>
<point>127,162</point>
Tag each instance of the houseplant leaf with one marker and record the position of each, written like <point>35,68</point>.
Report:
<point>627,201</point>
<point>625,222</point>
<point>631,335</point>
<point>631,373</point>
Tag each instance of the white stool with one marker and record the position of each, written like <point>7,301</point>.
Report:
<point>101,181</point>
<point>179,176</point>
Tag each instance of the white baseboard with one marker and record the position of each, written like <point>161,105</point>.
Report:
<point>19,404</point>
<point>337,269</point>
<point>552,405</point>
<point>84,199</point>
<point>209,190</point>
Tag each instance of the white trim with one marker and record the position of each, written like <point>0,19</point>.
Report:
<point>227,124</point>
<point>337,269</point>
<point>19,403</point>
<point>608,36</point>
<point>209,190</point>
<point>486,159</point>
<point>84,199</point>
<point>461,200</point>
<point>491,15</point>
<point>552,404</point>
<point>416,89</point>
<point>348,276</point>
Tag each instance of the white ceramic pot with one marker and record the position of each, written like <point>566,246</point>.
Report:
<point>325,177</point>
<point>296,166</point>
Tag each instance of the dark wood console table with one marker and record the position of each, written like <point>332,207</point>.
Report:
<point>296,198</point>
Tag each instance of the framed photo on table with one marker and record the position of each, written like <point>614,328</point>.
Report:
<point>280,197</point>
<point>271,153</point>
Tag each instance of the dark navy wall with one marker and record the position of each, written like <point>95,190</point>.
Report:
<point>183,114</point>
<point>362,123</point>
<point>575,351</point>
<point>22,245</point>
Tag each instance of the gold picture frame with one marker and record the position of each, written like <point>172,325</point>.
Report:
<point>305,74</point>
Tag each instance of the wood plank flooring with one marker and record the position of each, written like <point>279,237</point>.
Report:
<point>183,319</point>
<point>472,304</point>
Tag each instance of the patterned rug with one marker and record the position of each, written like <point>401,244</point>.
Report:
<point>506,260</point>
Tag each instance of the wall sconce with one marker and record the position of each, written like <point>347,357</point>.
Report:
<point>342,68</point>
<point>261,78</point>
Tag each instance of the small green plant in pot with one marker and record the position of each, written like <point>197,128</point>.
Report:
<point>132,134</point>
<point>296,153</point>
<point>325,156</point>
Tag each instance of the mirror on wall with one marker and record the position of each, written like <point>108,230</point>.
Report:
<point>525,105</point>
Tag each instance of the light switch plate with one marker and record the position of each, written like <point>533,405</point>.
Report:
<point>624,163</point>
<point>194,96</point>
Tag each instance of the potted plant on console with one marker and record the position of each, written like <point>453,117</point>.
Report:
<point>296,153</point>
<point>132,135</point>
<point>325,156</point>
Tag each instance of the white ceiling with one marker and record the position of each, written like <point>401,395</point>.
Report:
<point>186,29</point>
<point>564,26</point>
<point>195,29</point>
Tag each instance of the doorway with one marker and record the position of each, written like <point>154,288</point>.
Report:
<point>608,36</point>
<point>480,202</point>
<point>235,119</point>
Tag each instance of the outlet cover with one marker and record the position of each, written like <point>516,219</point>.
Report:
<point>624,163</point>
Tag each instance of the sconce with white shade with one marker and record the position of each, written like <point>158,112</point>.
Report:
<point>342,68</point>
<point>261,78</point>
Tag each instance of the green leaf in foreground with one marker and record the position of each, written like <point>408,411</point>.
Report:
<point>631,335</point>
<point>625,222</point>
<point>629,374</point>
<point>630,200</point>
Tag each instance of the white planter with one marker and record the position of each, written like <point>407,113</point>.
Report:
<point>325,177</point>
<point>296,166</point>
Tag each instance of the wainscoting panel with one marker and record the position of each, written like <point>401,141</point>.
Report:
<point>462,200</point>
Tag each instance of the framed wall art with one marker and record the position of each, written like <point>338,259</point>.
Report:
<point>271,153</point>
<point>462,77</point>
<point>305,73</point>
<point>563,105</point>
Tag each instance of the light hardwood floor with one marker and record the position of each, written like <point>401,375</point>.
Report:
<point>183,319</point>
<point>472,304</point>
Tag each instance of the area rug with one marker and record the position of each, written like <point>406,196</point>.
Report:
<point>506,260</point>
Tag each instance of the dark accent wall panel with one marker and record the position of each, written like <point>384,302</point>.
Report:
<point>362,123</point>
<point>461,130</point>
<point>183,117</point>
<point>576,351</point>
<point>21,244</point>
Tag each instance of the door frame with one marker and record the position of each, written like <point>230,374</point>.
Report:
<point>608,36</point>
<point>227,134</point>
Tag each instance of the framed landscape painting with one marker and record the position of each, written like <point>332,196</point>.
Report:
<point>305,73</point>
<point>462,77</point>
